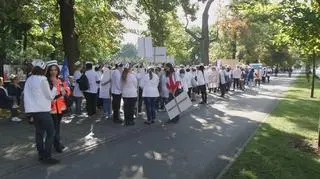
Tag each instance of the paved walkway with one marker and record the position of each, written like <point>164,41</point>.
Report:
<point>82,134</point>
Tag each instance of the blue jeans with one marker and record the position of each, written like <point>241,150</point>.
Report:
<point>106,106</point>
<point>150,103</point>
<point>44,129</point>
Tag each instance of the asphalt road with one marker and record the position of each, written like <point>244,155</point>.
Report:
<point>201,145</point>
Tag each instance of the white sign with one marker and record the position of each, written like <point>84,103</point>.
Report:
<point>178,105</point>
<point>170,59</point>
<point>145,49</point>
<point>160,54</point>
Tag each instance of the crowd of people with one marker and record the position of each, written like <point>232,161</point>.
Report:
<point>46,96</point>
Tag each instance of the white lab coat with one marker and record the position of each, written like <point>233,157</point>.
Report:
<point>105,85</point>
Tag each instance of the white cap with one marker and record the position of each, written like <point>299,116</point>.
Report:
<point>52,62</point>
<point>39,63</point>
<point>127,65</point>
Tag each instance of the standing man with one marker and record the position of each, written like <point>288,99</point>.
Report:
<point>236,78</point>
<point>223,81</point>
<point>91,93</point>
<point>116,91</point>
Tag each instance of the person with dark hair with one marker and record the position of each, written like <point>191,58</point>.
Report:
<point>116,92</point>
<point>91,93</point>
<point>150,83</point>
<point>202,84</point>
<point>174,85</point>
<point>37,102</point>
<point>129,85</point>
<point>59,104</point>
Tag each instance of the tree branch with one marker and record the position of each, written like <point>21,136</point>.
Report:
<point>192,34</point>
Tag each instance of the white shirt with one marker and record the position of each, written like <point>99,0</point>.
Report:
<point>130,86</point>
<point>105,84</point>
<point>116,82</point>
<point>37,94</point>
<point>76,91</point>
<point>200,78</point>
<point>237,73</point>
<point>222,77</point>
<point>163,83</point>
<point>184,82</point>
<point>93,77</point>
<point>150,87</point>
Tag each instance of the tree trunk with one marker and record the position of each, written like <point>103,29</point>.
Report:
<point>313,74</point>
<point>205,34</point>
<point>70,38</point>
<point>2,60</point>
<point>234,45</point>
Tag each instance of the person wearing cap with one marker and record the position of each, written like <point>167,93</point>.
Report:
<point>150,93</point>
<point>105,85</point>
<point>91,93</point>
<point>77,93</point>
<point>116,92</point>
<point>37,102</point>
<point>129,84</point>
<point>15,91</point>
<point>58,105</point>
<point>202,84</point>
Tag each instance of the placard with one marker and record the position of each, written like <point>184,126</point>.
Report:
<point>145,49</point>
<point>178,105</point>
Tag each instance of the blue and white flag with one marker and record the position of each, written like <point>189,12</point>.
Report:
<point>65,70</point>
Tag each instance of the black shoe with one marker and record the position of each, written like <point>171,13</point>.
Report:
<point>50,161</point>
<point>117,121</point>
<point>202,102</point>
<point>40,158</point>
<point>147,122</point>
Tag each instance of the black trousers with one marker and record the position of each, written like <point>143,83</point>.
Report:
<point>91,101</point>
<point>56,125</point>
<point>140,100</point>
<point>223,89</point>
<point>116,102</point>
<point>203,90</point>
<point>44,130</point>
<point>128,108</point>
<point>189,92</point>
<point>236,83</point>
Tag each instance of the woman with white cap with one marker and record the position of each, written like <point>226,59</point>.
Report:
<point>77,93</point>
<point>58,105</point>
<point>129,85</point>
<point>37,102</point>
<point>150,93</point>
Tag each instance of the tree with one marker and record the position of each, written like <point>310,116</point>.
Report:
<point>302,30</point>
<point>157,10</point>
<point>203,37</point>
<point>128,50</point>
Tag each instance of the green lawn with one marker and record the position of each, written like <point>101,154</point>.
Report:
<point>282,146</point>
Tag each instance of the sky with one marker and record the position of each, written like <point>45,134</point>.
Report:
<point>213,16</point>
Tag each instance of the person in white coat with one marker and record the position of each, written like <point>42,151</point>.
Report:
<point>77,93</point>
<point>116,93</point>
<point>202,84</point>
<point>129,84</point>
<point>105,85</point>
<point>37,103</point>
<point>150,93</point>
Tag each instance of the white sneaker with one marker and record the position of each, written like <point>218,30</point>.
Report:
<point>16,119</point>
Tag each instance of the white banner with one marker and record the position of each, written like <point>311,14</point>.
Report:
<point>160,54</point>
<point>145,49</point>
<point>178,105</point>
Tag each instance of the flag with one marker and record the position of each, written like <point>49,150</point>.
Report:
<point>65,70</point>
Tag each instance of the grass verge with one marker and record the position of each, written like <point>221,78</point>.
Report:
<point>284,146</point>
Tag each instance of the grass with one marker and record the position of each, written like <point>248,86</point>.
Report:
<point>283,147</point>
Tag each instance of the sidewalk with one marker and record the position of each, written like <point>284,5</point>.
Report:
<point>78,135</point>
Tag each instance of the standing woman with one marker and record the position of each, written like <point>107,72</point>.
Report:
<point>173,85</point>
<point>105,85</point>
<point>129,85</point>
<point>58,105</point>
<point>150,93</point>
<point>37,103</point>
<point>202,84</point>
<point>77,93</point>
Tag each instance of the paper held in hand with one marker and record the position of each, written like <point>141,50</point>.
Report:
<point>178,105</point>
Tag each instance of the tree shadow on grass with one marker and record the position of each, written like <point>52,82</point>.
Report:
<point>271,155</point>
